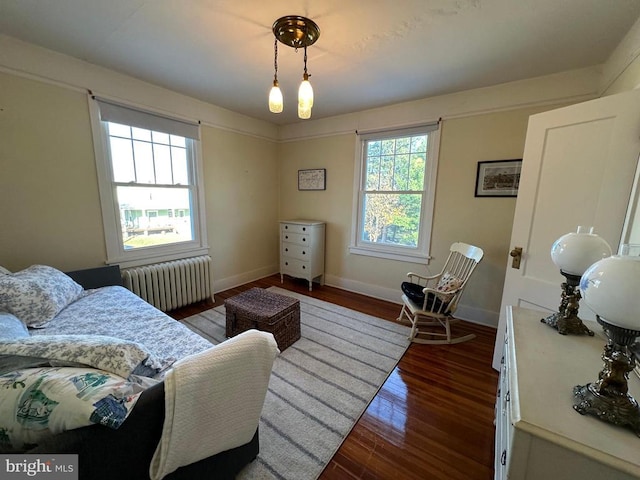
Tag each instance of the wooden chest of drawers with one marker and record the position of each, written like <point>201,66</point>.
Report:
<point>302,250</point>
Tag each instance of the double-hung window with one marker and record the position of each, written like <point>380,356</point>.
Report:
<point>393,206</point>
<point>150,184</point>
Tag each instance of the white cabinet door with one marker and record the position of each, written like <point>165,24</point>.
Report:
<point>578,168</point>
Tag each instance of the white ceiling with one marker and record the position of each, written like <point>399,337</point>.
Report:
<point>370,52</point>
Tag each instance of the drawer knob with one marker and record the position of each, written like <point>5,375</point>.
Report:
<point>304,239</point>
<point>286,227</point>
<point>286,263</point>
<point>304,229</point>
<point>286,237</point>
<point>286,249</point>
<point>304,253</point>
<point>304,267</point>
<point>503,458</point>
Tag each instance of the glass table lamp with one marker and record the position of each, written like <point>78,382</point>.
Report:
<point>610,287</point>
<point>573,253</point>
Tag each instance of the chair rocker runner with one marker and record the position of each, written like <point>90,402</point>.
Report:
<point>431,301</point>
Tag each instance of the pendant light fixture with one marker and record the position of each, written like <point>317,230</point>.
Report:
<point>275,95</point>
<point>296,32</point>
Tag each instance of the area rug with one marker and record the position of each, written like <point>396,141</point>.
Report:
<point>319,386</point>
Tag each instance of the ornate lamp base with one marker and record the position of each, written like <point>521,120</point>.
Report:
<point>607,398</point>
<point>566,320</point>
<point>621,410</point>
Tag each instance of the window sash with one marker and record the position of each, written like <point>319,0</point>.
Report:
<point>361,245</point>
<point>116,253</point>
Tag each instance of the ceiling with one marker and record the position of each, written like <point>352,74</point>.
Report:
<point>370,53</point>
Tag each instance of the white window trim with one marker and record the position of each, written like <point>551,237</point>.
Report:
<point>110,219</point>
<point>421,254</point>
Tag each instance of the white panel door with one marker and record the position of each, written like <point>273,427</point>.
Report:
<point>578,169</point>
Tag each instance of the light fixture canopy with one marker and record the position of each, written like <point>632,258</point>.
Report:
<point>296,32</point>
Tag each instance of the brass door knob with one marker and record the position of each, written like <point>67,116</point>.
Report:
<point>516,254</point>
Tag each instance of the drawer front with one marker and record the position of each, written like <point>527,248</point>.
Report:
<point>295,268</point>
<point>295,251</point>
<point>294,228</point>
<point>297,238</point>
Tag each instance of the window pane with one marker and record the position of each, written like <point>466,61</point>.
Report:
<point>154,216</point>
<point>177,141</point>
<point>419,144</point>
<point>122,160</point>
<point>388,147</point>
<point>373,173</point>
<point>403,145</point>
<point>391,219</point>
<point>159,137</point>
<point>373,148</point>
<point>180,170</point>
<point>141,134</point>
<point>118,130</point>
<point>386,172</point>
<point>416,171</point>
<point>144,162</point>
<point>162,157</point>
<point>401,173</point>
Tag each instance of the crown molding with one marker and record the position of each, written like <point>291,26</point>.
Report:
<point>34,62</point>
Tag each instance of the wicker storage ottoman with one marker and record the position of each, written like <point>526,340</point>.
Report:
<point>263,310</point>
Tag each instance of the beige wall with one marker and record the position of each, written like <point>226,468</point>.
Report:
<point>459,216</point>
<point>241,181</point>
<point>48,185</point>
<point>628,79</point>
<point>49,190</point>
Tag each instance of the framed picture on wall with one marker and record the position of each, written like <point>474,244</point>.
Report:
<point>312,179</point>
<point>498,178</point>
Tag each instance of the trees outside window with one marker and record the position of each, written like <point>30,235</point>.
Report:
<point>395,198</point>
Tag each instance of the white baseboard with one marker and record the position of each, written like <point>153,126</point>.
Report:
<point>220,285</point>
<point>464,312</point>
<point>477,315</point>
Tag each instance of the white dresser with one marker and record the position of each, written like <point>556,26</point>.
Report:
<point>302,250</point>
<point>538,433</point>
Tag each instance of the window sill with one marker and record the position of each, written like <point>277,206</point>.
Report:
<point>148,259</point>
<point>401,257</point>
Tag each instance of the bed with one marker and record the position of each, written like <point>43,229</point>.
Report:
<point>106,310</point>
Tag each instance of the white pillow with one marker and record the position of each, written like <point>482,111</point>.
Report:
<point>37,294</point>
<point>11,327</point>
<point>447,283</point>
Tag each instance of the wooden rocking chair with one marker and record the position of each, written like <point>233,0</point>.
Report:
<point>431,301</point>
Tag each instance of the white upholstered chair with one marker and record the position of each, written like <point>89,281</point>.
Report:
<point>429,302</point>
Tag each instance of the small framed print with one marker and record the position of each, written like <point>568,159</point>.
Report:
<point>498,178</point>
<point>312,179</point>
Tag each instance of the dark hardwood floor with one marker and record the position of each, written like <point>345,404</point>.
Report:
<point>432,418</point>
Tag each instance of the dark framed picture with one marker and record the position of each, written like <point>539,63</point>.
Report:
<point>498,178</point>
<point>312,179</point>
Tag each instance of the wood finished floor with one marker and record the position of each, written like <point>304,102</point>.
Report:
<point>432,418</point>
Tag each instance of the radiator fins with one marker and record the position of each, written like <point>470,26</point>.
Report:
<point>171,285</point>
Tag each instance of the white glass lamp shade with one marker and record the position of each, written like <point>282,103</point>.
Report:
<point>305,94</point>
<point>574,252</point>
<point>304,113</point>
<point>275,98</point>
<point>611,288</point>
